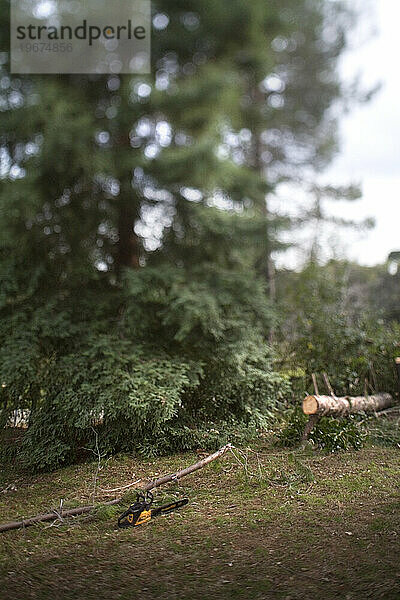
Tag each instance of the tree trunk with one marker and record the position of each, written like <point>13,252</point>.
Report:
<point>128,243</point>
<point>330,405</point>
<point>271,281</point>
<point>259,166</point>
<point>270,267</point>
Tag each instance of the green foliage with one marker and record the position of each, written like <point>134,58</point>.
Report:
<point>208,435</point>
<point>332,435</point>
<point>158,365</point>
<point>325,330</point>
<point>377,288</point>
<point>80,145</point>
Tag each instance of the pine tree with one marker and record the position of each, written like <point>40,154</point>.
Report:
<point>135,233</point>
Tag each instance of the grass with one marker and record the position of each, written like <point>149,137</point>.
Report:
<point>292,526</point>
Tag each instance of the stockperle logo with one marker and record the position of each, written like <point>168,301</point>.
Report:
<point>89,36</point>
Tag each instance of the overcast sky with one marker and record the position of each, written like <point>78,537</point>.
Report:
<point>370,151</point>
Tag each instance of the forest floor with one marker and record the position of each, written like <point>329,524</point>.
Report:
<point>300,525</point>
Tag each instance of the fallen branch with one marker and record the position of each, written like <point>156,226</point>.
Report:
<point>73,512</point>
<point>328,383</point>
<point>87,509</point>
<point>314,379</point>
<point>199,465</point>
<point>388,411</point>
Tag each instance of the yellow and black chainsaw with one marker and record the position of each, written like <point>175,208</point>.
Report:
<point>141,512</point>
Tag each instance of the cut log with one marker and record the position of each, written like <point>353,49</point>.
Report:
<point>341,407</point>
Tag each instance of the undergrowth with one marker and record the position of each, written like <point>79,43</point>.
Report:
<point>331,435</point>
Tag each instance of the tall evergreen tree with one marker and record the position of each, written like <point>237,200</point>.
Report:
<point>134,227</point>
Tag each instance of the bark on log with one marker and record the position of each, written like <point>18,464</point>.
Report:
<point>52,516</point>
<point>330,405</point>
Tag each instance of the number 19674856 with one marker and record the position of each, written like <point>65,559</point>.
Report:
<point>46,47</point>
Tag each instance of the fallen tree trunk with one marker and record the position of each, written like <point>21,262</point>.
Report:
<point>52,516</point>
<point>333,406</point>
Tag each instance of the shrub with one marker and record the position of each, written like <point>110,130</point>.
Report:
<point>322,330</point>
<point>165,362</point>
<point>329,434</point>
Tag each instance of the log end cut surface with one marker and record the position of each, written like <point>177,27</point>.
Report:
<point>310,405</point>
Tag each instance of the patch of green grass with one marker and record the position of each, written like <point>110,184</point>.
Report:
<point>379,524</point>
<point>279,528</point>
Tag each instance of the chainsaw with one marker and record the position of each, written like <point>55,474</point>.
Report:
<point>141,512</point>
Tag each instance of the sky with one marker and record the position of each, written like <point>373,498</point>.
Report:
<point>370,136</point>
